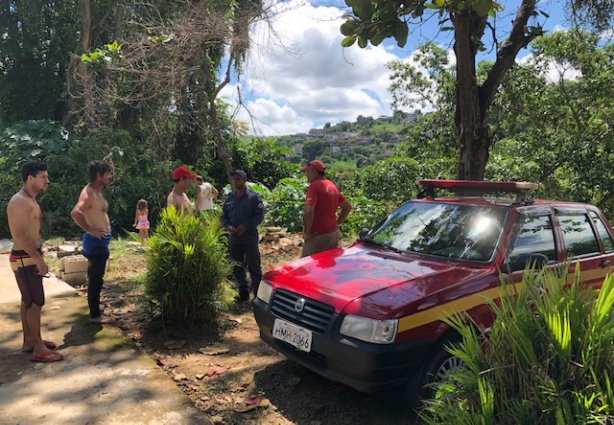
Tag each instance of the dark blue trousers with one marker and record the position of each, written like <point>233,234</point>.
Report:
<point>246,256</point>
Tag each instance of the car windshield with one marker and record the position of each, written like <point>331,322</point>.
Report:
<point>464,232</point>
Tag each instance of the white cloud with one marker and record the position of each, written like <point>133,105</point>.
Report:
<point>553,71</point>
<point>298,76</point>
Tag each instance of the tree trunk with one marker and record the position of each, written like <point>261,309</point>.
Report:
<point>472,134</point>
<point>473,101</point>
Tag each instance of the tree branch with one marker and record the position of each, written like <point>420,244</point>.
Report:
<point>519,38</point>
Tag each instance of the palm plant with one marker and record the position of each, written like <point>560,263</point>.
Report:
<point>548,359</point>
<point>187,268</point>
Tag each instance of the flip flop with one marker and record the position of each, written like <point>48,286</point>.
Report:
<point>49,344</point>
<point>47,357</point>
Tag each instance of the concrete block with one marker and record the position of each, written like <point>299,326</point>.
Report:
<point>74,264</point>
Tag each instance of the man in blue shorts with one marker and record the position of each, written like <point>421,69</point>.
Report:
<point>91,214</point>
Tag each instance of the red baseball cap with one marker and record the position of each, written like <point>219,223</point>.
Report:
<point>316,164</point>
<point>182,172</point>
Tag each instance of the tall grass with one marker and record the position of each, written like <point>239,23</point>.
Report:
<point>548,359</point>
<point>187,268</point>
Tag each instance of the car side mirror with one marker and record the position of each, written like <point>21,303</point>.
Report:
<point>522,261</point>
<point>362,233</point>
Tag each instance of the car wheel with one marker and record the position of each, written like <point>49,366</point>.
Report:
<point>434,370</point>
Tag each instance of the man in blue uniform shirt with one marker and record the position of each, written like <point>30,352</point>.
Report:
<point>242,213</point>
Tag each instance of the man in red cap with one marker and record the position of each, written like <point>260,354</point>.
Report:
<point>178,198</point>
<point>320,220</point>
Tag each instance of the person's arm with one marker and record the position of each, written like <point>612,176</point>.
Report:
<point>214,192</point>
<point>308,214</point>
<point>78,215</point>
<point>311,200</point>
<point>19,213</point>
<point>136,218</point>
<point>199,195</point>
<point>345,210</point>
<point>257,215</point>
<point>226,218</point>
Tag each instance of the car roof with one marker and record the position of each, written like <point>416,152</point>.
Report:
<point>507,202</point>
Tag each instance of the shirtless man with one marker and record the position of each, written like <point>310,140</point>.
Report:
<point>183,178</point>
<point>25,218</point>
<point>90,214</point>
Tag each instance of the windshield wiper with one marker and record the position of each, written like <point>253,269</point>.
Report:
<point>390,247</point>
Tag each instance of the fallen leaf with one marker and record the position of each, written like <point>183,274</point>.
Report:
<point>179,377</point>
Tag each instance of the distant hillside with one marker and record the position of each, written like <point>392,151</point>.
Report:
<point>361,142</point>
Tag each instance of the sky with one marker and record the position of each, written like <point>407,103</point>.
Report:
<point>298,77</point>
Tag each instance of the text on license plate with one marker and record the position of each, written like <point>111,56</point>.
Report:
<point>294,335</point>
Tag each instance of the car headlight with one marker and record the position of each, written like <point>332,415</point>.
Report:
<point>264,292</point>
<point>370,330</point>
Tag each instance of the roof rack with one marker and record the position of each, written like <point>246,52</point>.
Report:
<point>478,188</point>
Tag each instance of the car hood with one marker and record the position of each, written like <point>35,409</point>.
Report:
<point>362,278</point>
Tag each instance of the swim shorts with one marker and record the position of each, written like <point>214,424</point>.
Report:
<point>94,247</point>
<point>30,283</point>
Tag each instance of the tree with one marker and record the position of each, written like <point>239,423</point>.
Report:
<point>374,21</point>
<point>35,46</point>
<point>170,61</point>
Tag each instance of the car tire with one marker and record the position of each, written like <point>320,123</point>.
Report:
<point>433,370</point>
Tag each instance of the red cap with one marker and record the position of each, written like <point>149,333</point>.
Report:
<point>182,173</point>
<point>316,164</point>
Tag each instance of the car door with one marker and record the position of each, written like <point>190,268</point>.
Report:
<point>582,246</point>
<point>606,239</point>
<point>533,242</point>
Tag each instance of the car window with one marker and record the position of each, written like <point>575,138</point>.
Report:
<point>608,243</point>
<point>468,232</point>
<point>535,236</point>
<point>578,235</point>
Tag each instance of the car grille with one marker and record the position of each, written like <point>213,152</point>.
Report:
<point>315,315</point>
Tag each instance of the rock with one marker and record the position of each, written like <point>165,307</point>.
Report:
<point>179,377</point>
<point>199,376</point>
<point>273,229</point>
<point>212,351</point>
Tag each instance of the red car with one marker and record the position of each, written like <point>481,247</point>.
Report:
<point>371,315</point>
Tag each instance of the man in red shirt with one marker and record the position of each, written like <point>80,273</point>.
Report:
<point>320,220</point>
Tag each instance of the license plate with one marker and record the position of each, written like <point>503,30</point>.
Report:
<point>294,335</point>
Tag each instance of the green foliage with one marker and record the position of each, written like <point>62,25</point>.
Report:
<point>262,160</point>
<point>284,205</point>
<point>187,268</point>
<point>37,41</point>
<point>548,359</point>
<point>392,180</point>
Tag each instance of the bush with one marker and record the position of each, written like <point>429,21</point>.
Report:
<point>187,268</point>
<point>548,359</point>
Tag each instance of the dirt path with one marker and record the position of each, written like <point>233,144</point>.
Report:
<point>233,376</point>
<point>237,379</point>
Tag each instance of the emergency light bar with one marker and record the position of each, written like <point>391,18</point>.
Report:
<point>477,188</point>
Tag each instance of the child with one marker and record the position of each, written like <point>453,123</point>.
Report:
<point>141,221</point>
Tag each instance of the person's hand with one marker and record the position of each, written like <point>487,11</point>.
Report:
<point>240,230</point>
<point>42,268</point>
<point>134,225</point>
<point>97,233</point>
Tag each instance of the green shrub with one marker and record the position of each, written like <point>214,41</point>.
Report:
<point>187,268</point>
<point>548,359</point>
